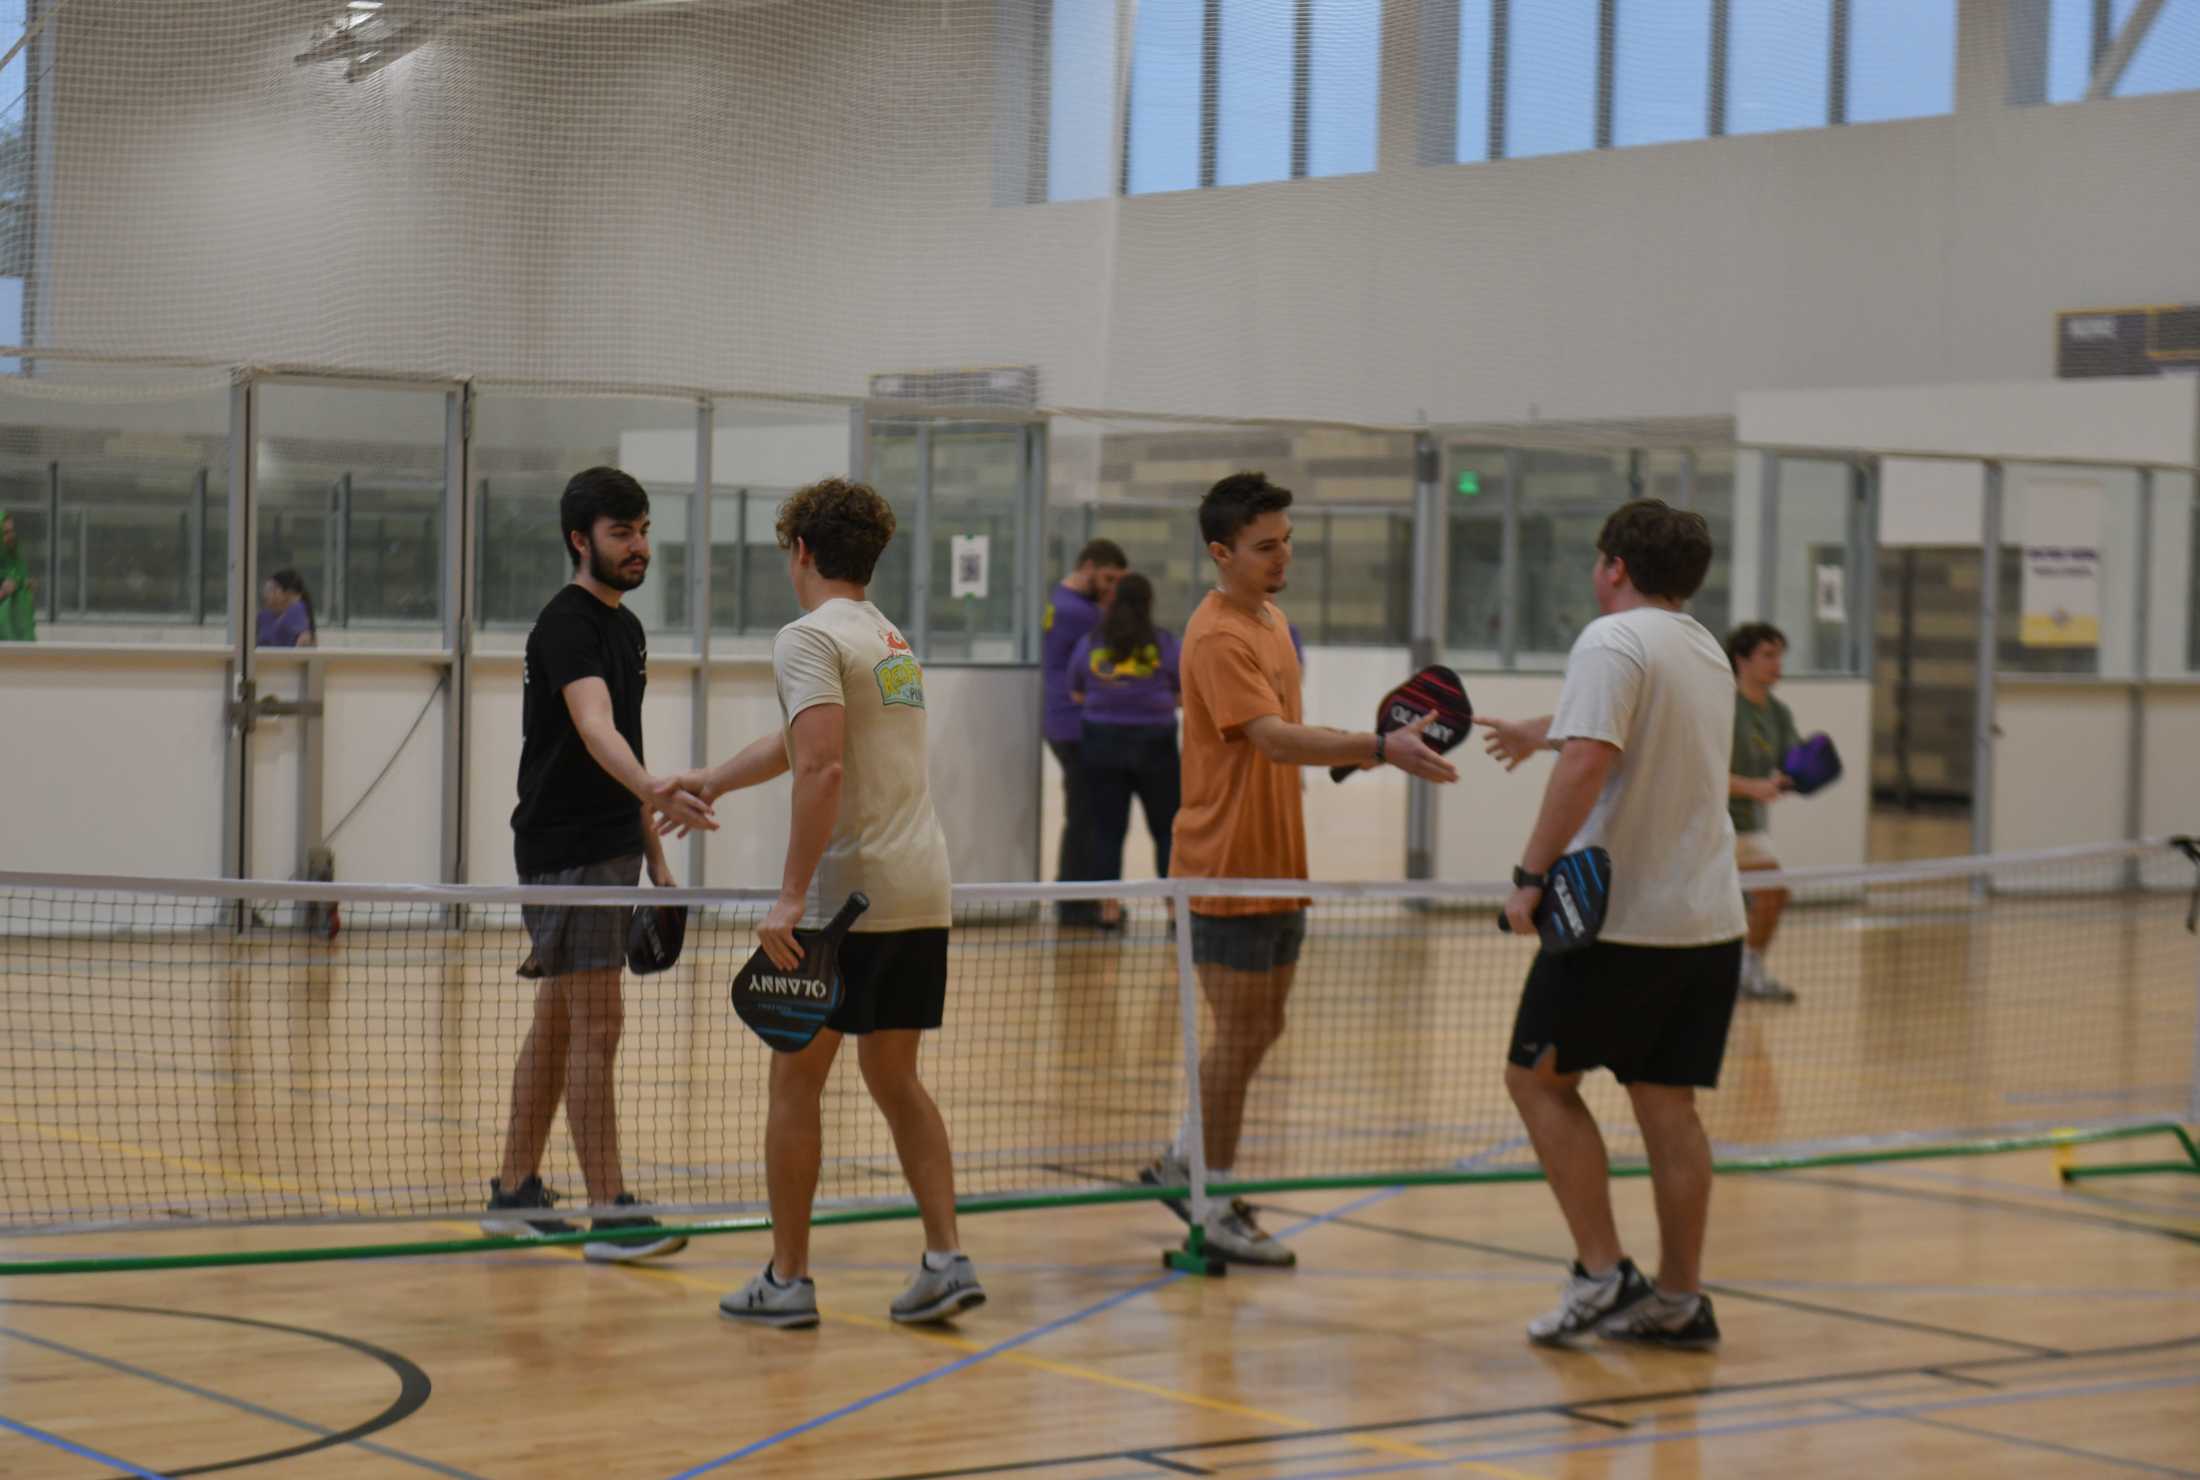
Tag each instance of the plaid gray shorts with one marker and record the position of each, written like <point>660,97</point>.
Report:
<point>568,939</point>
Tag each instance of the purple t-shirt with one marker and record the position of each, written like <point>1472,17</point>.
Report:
<point>1069,617</point>
<point>283,628</point>
<point>1140,690</point>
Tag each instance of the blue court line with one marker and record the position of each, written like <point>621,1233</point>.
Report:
<point>97,1458</point>
<point>1024,1338</point>
<point>115,1364</point>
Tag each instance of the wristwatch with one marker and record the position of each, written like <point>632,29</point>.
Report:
<point>1522,879</point>
<point>1378,747</point>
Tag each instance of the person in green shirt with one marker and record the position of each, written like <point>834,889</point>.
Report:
<point>18,593</point>
<point>1764,732</point>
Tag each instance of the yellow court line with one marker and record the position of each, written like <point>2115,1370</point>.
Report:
<point>184,1163</point>
<point>1396,1447</point>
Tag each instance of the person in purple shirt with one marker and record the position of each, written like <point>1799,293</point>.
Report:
<point>286,611</point>
<point>1123,677</point>
<point>1073,610</point>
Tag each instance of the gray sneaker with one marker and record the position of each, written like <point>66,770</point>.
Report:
<point>1232,1233</point>
<point>764,1302</point>
<point>1170,1170</point>
<point>939,1294</point>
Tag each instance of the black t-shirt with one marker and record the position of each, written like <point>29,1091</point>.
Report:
<point>571,811</point>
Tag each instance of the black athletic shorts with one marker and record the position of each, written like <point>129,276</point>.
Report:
<point>1650,1014</point>
<point>1249,942</point>
<point>891,979</point>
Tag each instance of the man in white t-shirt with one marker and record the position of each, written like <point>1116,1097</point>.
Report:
<point>851,695</point>
<point>1644,729</point>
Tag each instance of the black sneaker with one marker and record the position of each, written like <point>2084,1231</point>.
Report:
<point>1586,1304</point>
<point>528,1195</point>
<point>624,1240</point>
<point>1684,1322</point>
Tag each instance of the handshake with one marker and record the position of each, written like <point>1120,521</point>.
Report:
<point>681,803</point>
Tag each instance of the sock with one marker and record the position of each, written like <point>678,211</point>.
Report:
<point>1181,1147</point>
<point>1601,1276</point>
<point>1218,1208</point>
<point>936,1262</point>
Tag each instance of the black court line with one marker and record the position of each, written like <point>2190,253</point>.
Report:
<point>413,1387</point>
<point>1994,1204</point>
<point>1172,1465</point>
<point>1556,1409</point>
<point>1730,1292</point>
<point>1574,1412</point>
<point>1965,1378</point>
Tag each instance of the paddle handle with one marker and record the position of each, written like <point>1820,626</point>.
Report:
<point>1340,773</point>
<point>839,925</point>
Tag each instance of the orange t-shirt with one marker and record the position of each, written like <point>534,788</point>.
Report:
<point>1241,816</point>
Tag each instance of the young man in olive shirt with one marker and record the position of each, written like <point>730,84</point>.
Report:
<point>1764,732</point>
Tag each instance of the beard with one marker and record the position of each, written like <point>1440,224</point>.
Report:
<point>611,575</point>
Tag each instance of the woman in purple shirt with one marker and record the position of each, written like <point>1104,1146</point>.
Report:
<point>1123,676</point>
<point>286,611</point>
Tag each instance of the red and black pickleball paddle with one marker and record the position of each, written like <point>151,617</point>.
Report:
<point>1434,690</point>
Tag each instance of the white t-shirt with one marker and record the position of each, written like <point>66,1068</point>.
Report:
<point>1657,685</point>
<point>887,840</point>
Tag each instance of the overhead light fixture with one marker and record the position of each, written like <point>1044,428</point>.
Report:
<point>368,35</point>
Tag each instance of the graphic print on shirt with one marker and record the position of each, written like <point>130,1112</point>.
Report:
<point>1144,663</point>
<point>900,680</point>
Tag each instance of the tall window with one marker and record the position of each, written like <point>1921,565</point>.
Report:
<point>1661,72</point>
<point>1166,89</point>
<point>1551,96</point>
<point>1081,123</point>
<point>1237,92</point>
<point>1780,55</point>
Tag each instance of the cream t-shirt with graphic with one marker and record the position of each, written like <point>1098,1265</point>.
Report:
<point>887,840</point>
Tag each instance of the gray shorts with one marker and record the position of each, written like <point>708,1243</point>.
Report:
<point>567,939</point>
<point>1248,942</point>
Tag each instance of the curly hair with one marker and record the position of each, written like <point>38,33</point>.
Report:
<point>845,524</point>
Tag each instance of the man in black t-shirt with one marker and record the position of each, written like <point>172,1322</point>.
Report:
<point>587,815</point>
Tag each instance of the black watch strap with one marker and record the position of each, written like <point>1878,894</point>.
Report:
<point>1522,879</point>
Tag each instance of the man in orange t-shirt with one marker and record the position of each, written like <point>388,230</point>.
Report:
<point>1242,818</point>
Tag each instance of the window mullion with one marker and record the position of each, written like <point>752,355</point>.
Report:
<point>1210,93</point>
<point>1500,47</point>
<point>1302,88</point>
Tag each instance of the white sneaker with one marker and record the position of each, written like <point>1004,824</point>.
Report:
<point>1232,1233</point>
<point>1587,1303</point>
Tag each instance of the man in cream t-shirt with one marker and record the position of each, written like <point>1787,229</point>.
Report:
<point>1643,729</point>
<point>852,698</point>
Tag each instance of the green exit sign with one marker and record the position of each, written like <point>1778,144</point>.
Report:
<point>1470,484</point>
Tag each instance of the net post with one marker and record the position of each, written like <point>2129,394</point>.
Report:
<point>1193,1258</point>
<point>2192,1080</point>
<point>1989,653</point>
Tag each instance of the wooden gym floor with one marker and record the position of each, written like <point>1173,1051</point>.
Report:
<point>1968,1317</point>
<point>1948,1318</point>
